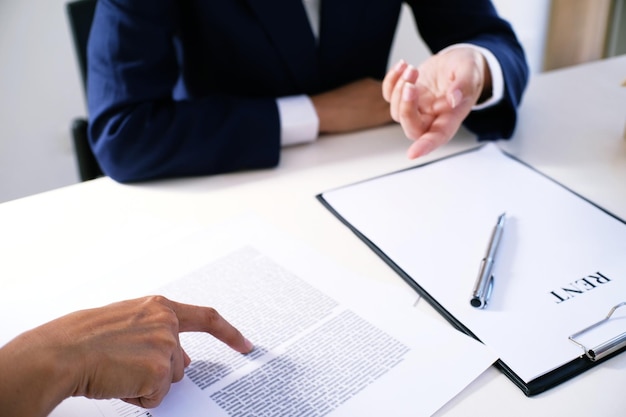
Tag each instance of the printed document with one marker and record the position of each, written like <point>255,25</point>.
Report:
<point>327,343</point>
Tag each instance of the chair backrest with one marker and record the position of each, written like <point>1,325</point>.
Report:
<point>80,16</point>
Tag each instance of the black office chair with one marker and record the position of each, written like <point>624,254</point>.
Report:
<point>80,15</point>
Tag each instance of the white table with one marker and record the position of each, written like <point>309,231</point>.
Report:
<point>571,128</point>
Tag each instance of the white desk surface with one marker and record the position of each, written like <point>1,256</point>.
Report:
<point>571,127</point>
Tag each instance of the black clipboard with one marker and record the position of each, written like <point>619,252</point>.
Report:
<point>589,355</point>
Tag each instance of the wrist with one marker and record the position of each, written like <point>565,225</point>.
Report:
<point>487,90</point>
<point>493,78</point>
<point>36,375</point>
<point>326,123</point>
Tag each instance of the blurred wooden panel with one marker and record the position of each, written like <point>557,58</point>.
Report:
<point>577,32</point>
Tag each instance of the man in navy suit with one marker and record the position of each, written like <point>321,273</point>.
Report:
<point>197,87</point>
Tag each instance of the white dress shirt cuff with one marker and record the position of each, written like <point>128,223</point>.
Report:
<point>497,79</point>
<point>298,120</point>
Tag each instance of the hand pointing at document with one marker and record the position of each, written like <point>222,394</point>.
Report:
<point>128,350</point>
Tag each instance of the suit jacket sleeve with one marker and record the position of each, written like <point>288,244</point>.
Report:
<point>138,129</point>
<point>141,128</point>
<point>446,22</point>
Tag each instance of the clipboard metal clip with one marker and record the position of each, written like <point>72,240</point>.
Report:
<point>604,348</point>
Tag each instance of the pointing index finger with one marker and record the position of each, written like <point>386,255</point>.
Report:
<point>193,318</point>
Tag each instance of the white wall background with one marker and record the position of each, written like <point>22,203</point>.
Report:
<point>40,91</point>
<point>529,19</point>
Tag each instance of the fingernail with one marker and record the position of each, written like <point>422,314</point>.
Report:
<point>408,72</point>
<point>399,66</point>
<point>455,98</point>
<point>249,344</point>
<point>408,92</point>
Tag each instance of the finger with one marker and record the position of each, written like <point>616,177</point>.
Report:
<point>413,122</point>
<point>133,401</point>
<point>153,400</point>
<point>178,364</point>
<point>409,77</point>
<point>187,359</point>
<point>150,401</point>
<point>392,78</point>
<point>163,383</point>
<point>206,319</point>
<point>465,84</point>
<point>410,74</point>
<point>439,132</point>
<point>454,97</point>
<point>424,145</point>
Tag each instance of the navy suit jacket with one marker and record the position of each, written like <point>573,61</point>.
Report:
<point>189,87</point>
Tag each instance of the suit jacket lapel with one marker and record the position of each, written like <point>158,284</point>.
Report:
<point>288,27</point>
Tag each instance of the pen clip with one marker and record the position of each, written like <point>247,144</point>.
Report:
<point>489,289</point>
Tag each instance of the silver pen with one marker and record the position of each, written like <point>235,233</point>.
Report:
<point>484,281</point>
